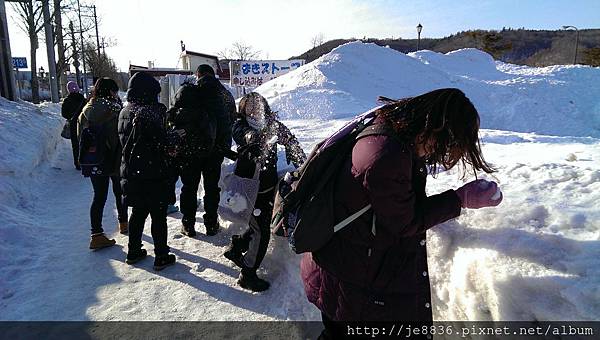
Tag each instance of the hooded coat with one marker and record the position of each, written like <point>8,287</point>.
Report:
<point>381,273</point>
<point>145,165</point>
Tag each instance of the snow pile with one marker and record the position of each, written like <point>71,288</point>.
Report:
<point>28,137</point>
<point>556,100</point>
<point>537,255</point>
<point>28,134</point>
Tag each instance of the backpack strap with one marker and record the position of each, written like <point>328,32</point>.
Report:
<point>371,130</point>
<point>351,219</point>
<point>380,129</point>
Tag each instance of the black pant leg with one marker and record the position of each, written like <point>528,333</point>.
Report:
<point>74,142</point>
<point>117,191</point>
<point>139,213</point>
<point>173,189</point>
<point>189,195</point>
<point>100,185</point>
<point>259,231</point>
<point>158,213</point>
<point>211,173</point>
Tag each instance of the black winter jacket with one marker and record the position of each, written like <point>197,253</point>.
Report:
<point>145,141</point>
<point>219,102</point>
<point>72,105</point>
<point>191,114</point>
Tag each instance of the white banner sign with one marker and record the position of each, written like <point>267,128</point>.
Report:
<point>253,73</point>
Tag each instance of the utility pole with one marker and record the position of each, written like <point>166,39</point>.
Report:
<point>50,51</point>
<point>7,77</point>
<point>84,81</point>
<point>97,36</point>
<point>62,60</point>
<point>75,56</point>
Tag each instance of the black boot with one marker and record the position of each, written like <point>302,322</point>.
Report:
<point>136,256</point>
<point>249,280</point>
<point>235,249</point>
<point>188,229</point>
<point>163,261</point>
<point>212,228</point>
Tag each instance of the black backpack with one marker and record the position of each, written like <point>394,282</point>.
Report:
<point>92,151</point>
<point>303,209</point>
<point>200,125</point>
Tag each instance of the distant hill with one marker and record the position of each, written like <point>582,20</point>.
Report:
<point>516,46</point>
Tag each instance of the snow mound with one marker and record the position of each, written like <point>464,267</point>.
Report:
<point>28,136</point>
<point>557,100</point>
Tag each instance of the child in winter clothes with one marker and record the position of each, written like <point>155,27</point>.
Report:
<point>257,133</point>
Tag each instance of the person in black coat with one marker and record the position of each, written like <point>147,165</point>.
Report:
<point>203,110</point>
<point>257,133</point>
<point>70,110</point>
<point>145,167</point>
<point>219,102</point>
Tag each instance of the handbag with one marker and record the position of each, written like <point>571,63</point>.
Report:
<point>66,131</point>
<point>239,196</point>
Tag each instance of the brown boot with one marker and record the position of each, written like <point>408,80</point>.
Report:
<point>101,241</point>
<point>123,228</point>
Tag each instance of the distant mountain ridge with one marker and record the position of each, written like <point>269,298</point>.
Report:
<point>516,46</point>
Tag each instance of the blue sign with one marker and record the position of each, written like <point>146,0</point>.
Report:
<point>19,62</point>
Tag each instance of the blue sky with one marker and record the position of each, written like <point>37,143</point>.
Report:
<point>151,29</point>
<point>446,17</point>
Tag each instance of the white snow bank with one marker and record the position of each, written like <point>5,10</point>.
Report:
<point>557,100</point>
<point>537,255</point>
<point>28,137</point>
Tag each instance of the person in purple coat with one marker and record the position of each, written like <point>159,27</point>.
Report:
<point>376,268</point>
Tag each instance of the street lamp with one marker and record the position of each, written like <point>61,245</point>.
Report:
<point>419,29</point>
<point>42,71</point>
<point>576,41</point>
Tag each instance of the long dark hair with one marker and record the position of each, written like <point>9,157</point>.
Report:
<point>445,121</point>
<point>104,88</point>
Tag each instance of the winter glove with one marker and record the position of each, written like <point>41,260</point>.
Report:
<point>479,194</point>
<point>251,152</point>
<point>252,137</point>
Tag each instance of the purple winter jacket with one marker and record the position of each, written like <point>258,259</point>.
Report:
<point>361,276</point>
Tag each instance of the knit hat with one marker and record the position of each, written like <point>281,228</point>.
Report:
<point>143,88</point>
<point>72,87</point>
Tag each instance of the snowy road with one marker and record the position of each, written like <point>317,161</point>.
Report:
<point>64,280</point>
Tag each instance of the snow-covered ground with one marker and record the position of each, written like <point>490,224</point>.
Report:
<point>535,257</point>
